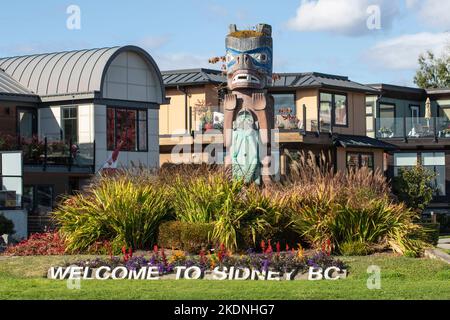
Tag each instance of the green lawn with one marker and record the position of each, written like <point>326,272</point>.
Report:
<point>402,278</point>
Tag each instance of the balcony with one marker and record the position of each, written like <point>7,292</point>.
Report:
<point>45,154</point>
<point>412,128</point>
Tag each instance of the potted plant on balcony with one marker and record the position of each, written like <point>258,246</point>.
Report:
<point>385,132</point>
<point>446,133</point>
<point>33,149</point>
<point>207,120</point>
<point>59,147</point>
<point>7,143</point>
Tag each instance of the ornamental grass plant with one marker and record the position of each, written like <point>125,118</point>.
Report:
<point>118,210</point>
<point>344,211</point>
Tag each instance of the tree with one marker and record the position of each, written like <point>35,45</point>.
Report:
<point>415,187</point>
<point>433,72</point>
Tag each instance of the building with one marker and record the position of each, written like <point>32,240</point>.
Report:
<point>417,122</point>
<point>313,111</point>
<point>66,112</point>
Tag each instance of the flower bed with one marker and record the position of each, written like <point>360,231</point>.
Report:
<point>45,244</point>
<point>287,262</point>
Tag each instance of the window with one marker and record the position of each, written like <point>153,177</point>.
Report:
<point>340,110</point>
<point>332,110</point>
<point>284,101</point>
<point>370,106</point>
<point>10,180</point>
<point>69,123</point>
<point>357,160</point>
<point>26,125</point>
<point>38,199</point>
<point>285,110</point>
<point>129,126</point>
<point>435,162</point>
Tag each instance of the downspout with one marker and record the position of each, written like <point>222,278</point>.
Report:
<point>186,108</point>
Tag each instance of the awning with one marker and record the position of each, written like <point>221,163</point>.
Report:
<point>349,141</point>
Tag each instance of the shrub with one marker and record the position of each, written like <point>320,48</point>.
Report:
<point>354,248</point>
<point>349,207</point>
<point>414,187</point>
<point>202,198</point>
<point>379,222</point>
<point>242,215</point>
<point>117,210</point>
<point>431,232</point>
<point>39,244</point>
<point>186,236</point>
<point>6,225</point>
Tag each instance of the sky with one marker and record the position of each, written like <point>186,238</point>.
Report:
<point>370,41</point>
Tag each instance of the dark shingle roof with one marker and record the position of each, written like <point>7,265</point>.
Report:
<point>191,77</point>
<point>350,141</point>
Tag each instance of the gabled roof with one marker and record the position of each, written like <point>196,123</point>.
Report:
<point>350,141</point>
<point>192,77</point>
<point>320,80</point>
<point>11,89</point>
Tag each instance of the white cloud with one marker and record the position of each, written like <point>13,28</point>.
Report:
<point>402,52</point>
<point>341,16</point>
<point>172,61</point>
<point>435,13</point>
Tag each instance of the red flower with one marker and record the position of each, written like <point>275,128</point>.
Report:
<point>287,247</point>
<point>278,247</point>
<point>263,246</point>
<point>155,249</point>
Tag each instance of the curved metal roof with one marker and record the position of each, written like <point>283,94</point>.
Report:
<point>70,72</point>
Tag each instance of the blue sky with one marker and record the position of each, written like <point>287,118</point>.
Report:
<point>329,36</point>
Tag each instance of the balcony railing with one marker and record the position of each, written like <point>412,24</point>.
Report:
<point>46,152</point>
<point>412,128</point>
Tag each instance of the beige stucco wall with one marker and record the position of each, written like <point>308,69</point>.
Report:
<point>356,110</point>
<point>356,115</point>
<point>308,98</point>
<point>172,116</point>
<point>341,157</point>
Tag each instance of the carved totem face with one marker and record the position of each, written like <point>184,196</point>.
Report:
<point>249,58</point>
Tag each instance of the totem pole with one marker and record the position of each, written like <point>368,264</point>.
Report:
<point>248,109</point>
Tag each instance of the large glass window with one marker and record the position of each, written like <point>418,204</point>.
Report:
<point>404,161</point>
<point>26,123</point>
<point>356,160</point>
<point>285,111</point>
<point>326,101</point>
<point>11,180</point>
<point>38,199</point>
<point>69,122</point>
<point>340,110</point>
<point>332,110</point>
<point>128,126</point>
<point>435,162</point>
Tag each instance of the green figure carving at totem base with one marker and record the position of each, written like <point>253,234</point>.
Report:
<point>246,162</point>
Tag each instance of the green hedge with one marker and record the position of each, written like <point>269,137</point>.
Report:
<point>431,231</point>
<point>186,236</point>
